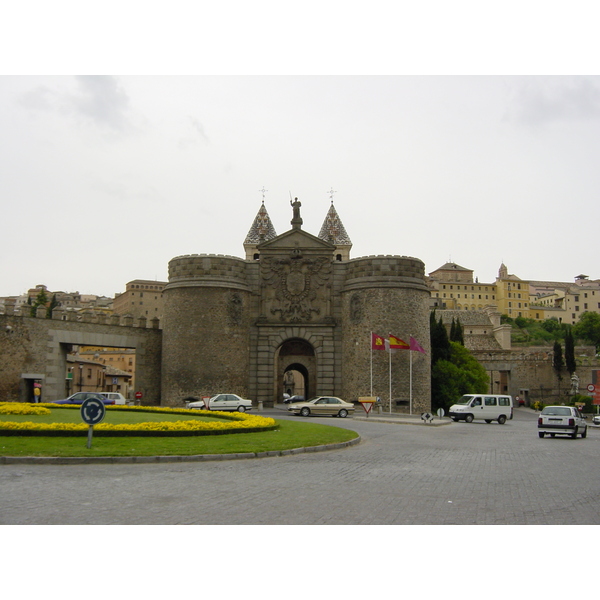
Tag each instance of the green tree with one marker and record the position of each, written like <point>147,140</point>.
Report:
<point>457,332</point>
<point>570,352</point>
<point>460,374</point>
<point>588,328</point>
<point>440,344</point>
<point>40,300</point>
<point>557,360</point>
<point>53,304</point>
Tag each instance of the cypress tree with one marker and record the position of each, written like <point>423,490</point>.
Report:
<point>557,360</point>
<point>570,352</point>
<point>460,333</point>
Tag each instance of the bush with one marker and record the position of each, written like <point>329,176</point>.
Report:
<point>585,400</point>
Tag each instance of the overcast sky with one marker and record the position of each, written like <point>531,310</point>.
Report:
<point>104,179</point>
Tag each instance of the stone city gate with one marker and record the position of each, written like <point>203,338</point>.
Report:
<point>35,349</point>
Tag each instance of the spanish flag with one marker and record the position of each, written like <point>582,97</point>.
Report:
<point>377,342</point>
<point>395,343</point>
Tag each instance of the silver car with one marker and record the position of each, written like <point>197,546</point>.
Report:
<point>223,402</point>
<point>323,405</point>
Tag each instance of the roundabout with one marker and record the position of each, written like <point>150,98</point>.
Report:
<point>156,434</point>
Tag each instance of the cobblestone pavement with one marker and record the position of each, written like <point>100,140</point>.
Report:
<point>461,473</point>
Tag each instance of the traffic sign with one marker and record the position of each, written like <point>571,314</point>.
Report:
<point>138,395</point>
<point>93,411</point>
<point>591,387</point>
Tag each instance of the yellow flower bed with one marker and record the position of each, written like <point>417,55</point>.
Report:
<point>22,408</point>
<point>234,422</point>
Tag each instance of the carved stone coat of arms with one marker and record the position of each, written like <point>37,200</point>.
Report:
<point>294,287</point>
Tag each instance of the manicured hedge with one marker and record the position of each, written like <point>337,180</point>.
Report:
<point>235,423</point>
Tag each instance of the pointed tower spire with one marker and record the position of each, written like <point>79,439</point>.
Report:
<point>333,231</point>
<point>262,230</point>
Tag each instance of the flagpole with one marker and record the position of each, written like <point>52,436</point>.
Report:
<point>390,352</point>
<point>371,343</point>
<point>410,397</point>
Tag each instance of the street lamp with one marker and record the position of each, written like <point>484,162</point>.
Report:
<point>80,377</point>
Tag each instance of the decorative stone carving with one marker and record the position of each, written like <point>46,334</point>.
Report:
<point>234,309</point>
<point>356,309</point>
<point>298,286</point>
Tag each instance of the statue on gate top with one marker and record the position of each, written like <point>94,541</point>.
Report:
<point>296,219</point>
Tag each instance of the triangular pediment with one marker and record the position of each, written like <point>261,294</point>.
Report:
<point>296,239</point>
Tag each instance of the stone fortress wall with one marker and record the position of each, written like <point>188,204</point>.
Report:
<point>35,349</point>
<point>220,336</point>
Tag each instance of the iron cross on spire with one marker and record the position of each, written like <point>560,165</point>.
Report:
<point>263,193</point>
<point>331,192</point>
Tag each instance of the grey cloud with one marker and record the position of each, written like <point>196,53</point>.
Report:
<point>103,100</point>
<point>39,98</point>
<point>199,128</point>
<point>198,133</point>
<point>541,100</point>
<point>100,99</point>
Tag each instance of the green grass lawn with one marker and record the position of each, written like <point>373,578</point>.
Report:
<point>290,434</point>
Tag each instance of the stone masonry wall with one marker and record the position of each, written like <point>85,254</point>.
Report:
<point>38,346</point>
<point>386,295</point>
<point>205,345</point>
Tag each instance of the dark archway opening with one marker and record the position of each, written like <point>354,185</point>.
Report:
<point>296,369</point>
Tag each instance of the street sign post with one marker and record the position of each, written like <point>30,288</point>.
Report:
<point>92,412</point>
<point>367,403</point>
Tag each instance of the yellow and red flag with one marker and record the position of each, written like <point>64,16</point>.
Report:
<point>395,343</point>
<point>377,342</point>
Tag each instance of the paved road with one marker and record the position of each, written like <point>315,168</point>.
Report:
<point>400,474</point>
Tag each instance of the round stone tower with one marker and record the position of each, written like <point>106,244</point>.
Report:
<point>386,295</point>
<point>208,307</point>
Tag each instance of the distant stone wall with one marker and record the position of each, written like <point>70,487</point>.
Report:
<point>36,348</point>
<point>530,370</point>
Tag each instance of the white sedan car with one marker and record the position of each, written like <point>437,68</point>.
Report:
<point>564,420</point>
<point>223,402</point>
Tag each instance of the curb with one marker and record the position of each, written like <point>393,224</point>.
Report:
<point>400,421</point>
<point>111,460</point>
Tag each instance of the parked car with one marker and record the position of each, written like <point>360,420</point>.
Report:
<point>223,402</point>
<point>116,396</point>
<point>562,420</point>
<point>293,399</point>
<point>596,419</point>
<point>79,397</point>
<point>323,405</point>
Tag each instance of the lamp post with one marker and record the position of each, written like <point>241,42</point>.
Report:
<point>80,377</point>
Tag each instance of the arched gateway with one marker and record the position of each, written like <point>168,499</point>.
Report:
<point>297,308</point>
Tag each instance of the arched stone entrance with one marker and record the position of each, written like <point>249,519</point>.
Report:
<point>295,357</point>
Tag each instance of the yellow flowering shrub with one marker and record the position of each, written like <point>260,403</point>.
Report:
<point>22,408</point>
<point>231,423</point>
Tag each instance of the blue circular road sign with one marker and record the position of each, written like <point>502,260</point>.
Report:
<point>93,411</point>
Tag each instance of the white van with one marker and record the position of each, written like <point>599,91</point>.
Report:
<point>482,406</point>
